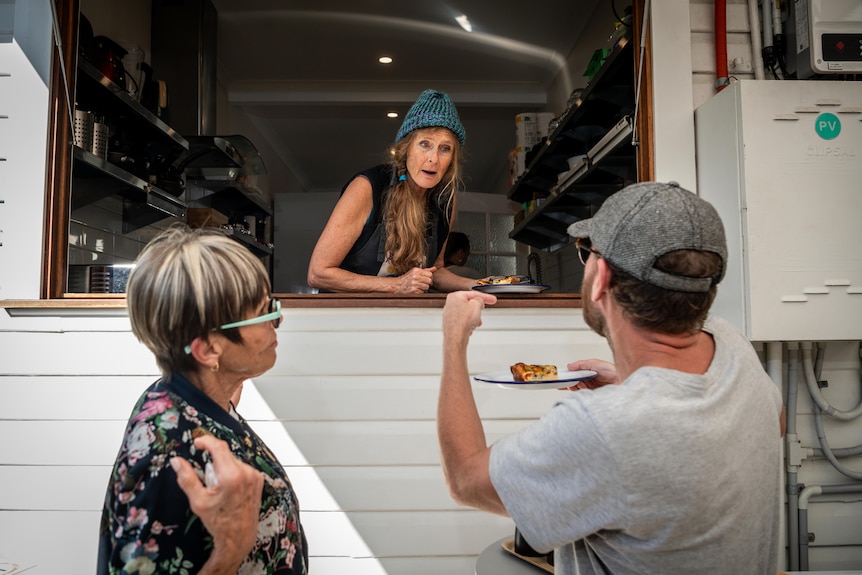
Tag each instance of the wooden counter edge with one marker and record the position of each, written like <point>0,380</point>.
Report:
<point>292,300</point>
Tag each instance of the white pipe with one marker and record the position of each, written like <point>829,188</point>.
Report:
<point>776,18</point>
<point>814,390</point>
<point>767,23</point>
<point>807,494</point>
<point>774,365</point>
<point>756,46</point>
<point>827,451</point>
<point>791,455</point>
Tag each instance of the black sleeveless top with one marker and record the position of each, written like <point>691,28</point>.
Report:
<point>369,251</point>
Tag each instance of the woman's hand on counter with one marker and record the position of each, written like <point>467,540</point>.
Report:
<point>417,280</point>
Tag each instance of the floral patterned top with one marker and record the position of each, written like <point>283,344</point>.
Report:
<point>147,526</point>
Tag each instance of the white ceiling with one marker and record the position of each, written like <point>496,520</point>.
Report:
<point>306,73</point>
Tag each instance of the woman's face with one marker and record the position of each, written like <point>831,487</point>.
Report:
<point>255,355</point>
<point>430,154</point>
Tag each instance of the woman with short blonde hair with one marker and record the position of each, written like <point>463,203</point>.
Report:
<point>193,488</point>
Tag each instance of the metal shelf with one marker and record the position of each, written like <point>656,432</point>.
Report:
<point>228,197</point>
<point>254,245</point>
<point>112,99</point>
<point>143,204</point>
<point>585,160</point>
<point>606,100</point>
<point>236,201</point>
<point>600,173</point>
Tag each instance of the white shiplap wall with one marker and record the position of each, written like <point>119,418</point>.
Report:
<point>349,408</point>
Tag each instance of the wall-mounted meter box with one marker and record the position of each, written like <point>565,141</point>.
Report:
<point>824,37</point>
<point>782,164</point>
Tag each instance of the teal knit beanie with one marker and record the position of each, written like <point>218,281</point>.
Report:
<point>432,110</point>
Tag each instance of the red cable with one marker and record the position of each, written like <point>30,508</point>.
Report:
<point>720,45</point>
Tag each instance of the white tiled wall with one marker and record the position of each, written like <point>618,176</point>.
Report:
<point>96,235</point>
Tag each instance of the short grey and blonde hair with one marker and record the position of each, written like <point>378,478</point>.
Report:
<point>186,283</point>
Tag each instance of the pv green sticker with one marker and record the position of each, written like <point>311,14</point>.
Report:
<point>827,126</point>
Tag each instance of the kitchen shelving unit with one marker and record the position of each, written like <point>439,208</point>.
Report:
<point>143,203</point>
<point>235,201</point>
<point>588,157</point>
<point>200,171</point>
<point>95,178</point>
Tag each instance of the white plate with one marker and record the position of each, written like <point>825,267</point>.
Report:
<point>504,379</point>
<point>512,288</point>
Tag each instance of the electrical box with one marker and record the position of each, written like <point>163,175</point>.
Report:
<point>824,37</point>
<point>782,163</point>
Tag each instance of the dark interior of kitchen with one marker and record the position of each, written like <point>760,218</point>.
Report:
<point>150,150</point>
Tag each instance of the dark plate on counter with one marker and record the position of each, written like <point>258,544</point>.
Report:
<point>512,288</point>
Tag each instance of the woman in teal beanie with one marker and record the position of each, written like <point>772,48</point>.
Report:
<point>388,230</point>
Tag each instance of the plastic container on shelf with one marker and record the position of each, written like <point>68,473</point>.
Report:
<point>526,130</point>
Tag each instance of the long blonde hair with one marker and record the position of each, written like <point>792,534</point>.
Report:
<point>405,214</point>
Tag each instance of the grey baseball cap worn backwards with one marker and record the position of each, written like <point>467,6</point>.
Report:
<point>642,222</point>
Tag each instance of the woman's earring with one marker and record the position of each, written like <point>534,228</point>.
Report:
<point>214,368</point>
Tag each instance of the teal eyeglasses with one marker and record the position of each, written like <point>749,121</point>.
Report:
<point>273,314</point>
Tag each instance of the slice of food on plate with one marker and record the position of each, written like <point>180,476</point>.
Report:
<point>533,372</point>
<point>503,280</point>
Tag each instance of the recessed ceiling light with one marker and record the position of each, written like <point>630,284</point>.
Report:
<point>392,114</point>
<point>464,22</point>
<point>384,60</point>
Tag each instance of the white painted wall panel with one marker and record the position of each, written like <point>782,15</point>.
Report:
<point>703,16</point>
<point>738,56</point>
<point>116,396</point>
<point>47,487</point>
<point>839,516</point>
<point>60,442</point>
<point>376,442</point>
<point>382,487</point>
<point>374,353</point>
<point>349,409</point>
<point>673,143</point>
<point>429,565</point>
<point>333,397</point>
<point>23,536</point>
<point>23,139</point>
<point>76,353</point>
<point>441,533</point>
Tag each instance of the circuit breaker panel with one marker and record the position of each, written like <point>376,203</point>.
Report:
<point>824,37</point>
<point>782,162</point>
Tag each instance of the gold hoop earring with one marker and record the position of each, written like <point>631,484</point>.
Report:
<point>214,368</point>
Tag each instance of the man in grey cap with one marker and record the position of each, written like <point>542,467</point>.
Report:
<point>668,460</point>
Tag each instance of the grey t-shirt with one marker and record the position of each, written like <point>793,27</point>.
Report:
<point>665,473</point>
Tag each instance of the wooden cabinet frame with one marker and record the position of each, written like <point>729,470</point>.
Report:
<point>59,165</point>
